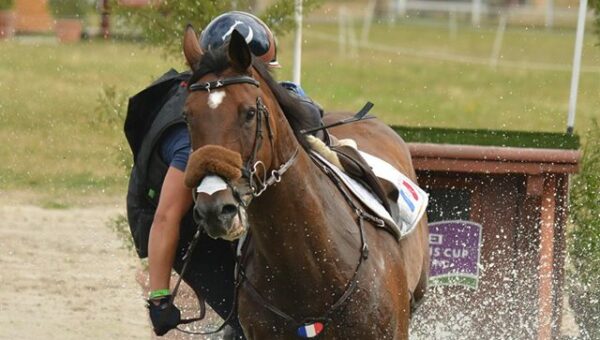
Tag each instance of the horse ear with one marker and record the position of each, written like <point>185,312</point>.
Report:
<point>191,47</point>
<point>239,52</point>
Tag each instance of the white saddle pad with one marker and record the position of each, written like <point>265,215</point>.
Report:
<point>412,200</point>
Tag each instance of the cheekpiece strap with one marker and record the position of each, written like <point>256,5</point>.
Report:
<point>217,84</point>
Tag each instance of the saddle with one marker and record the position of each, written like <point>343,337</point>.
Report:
<point>344,155</point>
<point>356,166</point>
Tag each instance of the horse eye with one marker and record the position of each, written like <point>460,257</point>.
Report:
<point>250,113</point>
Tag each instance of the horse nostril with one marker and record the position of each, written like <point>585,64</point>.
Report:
<point>198,218</point>
<point>229,209</point>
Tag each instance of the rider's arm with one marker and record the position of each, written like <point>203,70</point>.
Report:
<point>175,200</point>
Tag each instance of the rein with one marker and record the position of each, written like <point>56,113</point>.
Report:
<point>350,287</point>
<point>258,185</point>
<point>251,173</point>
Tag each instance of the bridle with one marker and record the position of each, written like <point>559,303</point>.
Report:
<point>251,171</point>
<point>258,184</point>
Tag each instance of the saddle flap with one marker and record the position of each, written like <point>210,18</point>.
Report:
<point>411,200</point>
<point>358,168</point>
<point>374,182</point>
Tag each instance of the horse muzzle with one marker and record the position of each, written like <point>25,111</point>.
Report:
<point>217,210</point>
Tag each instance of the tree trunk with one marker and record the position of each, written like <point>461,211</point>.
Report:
<point>384,9</point>
<point>258,6</point>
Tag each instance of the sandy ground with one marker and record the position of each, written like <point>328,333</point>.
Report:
<point>65,275</point>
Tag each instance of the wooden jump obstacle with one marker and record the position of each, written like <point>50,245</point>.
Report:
<point>519,196</point>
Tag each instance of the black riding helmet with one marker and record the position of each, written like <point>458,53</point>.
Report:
<point>258,36</point>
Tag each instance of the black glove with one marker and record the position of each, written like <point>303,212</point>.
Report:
<point>165,316</point>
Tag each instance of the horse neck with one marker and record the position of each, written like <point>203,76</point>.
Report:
<point>301,227</point>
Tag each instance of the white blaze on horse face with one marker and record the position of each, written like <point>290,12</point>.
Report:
<point>211,184</point>
<point>215,99</point>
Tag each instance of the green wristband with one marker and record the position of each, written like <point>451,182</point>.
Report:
<point>159,293</point>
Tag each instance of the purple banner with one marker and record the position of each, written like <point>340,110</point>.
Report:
<point>454,248</point>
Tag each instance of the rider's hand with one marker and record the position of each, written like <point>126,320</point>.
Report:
<point>164,315</point>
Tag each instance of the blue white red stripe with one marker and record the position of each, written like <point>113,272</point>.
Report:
<point>411,198</point>
<point>412,190</point>
<point>310,331</point>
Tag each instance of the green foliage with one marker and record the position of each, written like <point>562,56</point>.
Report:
<point>52,204</point>
<point>68,9</point>
<point>120,226</point>
<point>6,4</point>
<point>110,111</point>
<point>111,107</point>
<point>280,15</point>
<point>595,5</point>
<point>584,239</point>
<point>162,23</point>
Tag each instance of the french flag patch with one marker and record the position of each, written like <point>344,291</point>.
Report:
<point>412,202</point>
<point>310,330</point>
<point>409,195</point>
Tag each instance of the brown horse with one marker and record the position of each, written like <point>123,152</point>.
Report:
<point>304,262</point>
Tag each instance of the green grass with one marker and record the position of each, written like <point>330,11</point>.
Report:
<point>53,141</point>
<point>418,91</point>
<point>56,205</point>
<point>523,139</point>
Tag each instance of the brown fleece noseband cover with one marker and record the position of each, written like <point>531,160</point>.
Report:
<point>212,159</point>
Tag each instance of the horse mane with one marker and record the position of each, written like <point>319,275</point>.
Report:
<point>216,61</point>
<point>293,110</point>
<point>213,61</point>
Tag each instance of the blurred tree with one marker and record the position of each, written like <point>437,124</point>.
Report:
<point>584,238</point>
<point>6,4</point>
<point>384,9</point>
<point>162,22</point>
<point>258,6</point>
<point>69,8</point>
<point>595,5</point>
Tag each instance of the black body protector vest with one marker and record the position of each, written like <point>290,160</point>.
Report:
<point>149,114</point>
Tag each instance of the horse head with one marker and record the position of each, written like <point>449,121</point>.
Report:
<point>233,123</point>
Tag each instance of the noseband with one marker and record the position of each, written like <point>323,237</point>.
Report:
<point>258,184</point>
